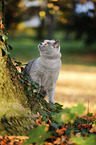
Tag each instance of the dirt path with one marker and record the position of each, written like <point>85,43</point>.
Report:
<point>77,83</point>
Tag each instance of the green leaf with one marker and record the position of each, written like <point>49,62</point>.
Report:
<point>22,69</point>
<point>10,47</point>
<point>91,140</point>
<point>69,115</point>
<point>31,95</point>
<point>38,135</point>
<point>79,109</point>
<point>65,116</point>
<point>18,63</point>
<point>55,125</point>
<point>89,114</point>
<point>29,88</point>
<point>78,140</point>
<point>4,37</point>
<point>58,106</point>
<point>4,52</point>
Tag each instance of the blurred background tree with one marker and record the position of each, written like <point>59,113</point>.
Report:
<point>49,15</point>
<point>12,14</point>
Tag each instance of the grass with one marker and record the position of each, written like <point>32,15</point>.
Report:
<point>77,79</point>
<point>74,52</point>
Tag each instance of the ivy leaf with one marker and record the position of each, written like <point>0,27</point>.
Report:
<point>38,135</point>
<point>58,106</point>
<point>4,37</point>
<point>29,88</point>
<point>22,69</point>
<point>55,125</point>
<point>4,52</point>
<point>18,63</point>
<point>10,47</point>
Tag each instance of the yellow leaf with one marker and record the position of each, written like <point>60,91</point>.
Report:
<point>50,5</point>
<point>42,14</point>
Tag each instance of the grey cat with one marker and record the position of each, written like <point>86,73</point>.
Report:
<point>45,69</point>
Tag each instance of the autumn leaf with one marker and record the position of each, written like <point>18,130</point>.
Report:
<point>2,26</point>
<point>61,131</point>
<point>81,126</point>
<point>93,129</point>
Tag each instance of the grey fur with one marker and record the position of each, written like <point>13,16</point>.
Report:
<point>45,69</point>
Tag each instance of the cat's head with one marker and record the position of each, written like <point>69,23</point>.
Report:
<point>50,49</point>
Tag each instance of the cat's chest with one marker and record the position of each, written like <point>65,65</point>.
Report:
<point>49,65</point>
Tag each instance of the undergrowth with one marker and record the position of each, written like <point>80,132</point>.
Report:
<point>64,127</point>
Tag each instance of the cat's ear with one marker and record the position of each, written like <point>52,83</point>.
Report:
<point>57,43</point>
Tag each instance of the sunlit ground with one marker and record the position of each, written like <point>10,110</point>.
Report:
<point>77,83</point>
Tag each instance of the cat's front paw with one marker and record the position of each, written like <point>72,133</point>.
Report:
<point>52,103</point>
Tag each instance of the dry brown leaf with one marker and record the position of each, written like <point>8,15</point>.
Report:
<point>81,126</point>
<point>1,137</point>
<point>39,121</point>
<point>2,26</point>
<point>22,137</point>
<point>57,141</point>
<point>10,137</point>
<point>48,120</point>
<point>3,142</point>
<point>48,143</point>
<point>93,129</point>
<point>61,131</point>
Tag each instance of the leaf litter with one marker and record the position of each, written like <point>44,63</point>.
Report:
<point>79,132</point>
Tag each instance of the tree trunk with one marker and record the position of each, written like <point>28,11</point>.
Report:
<point>17,109</point>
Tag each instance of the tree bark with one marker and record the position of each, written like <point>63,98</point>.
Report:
<point>18,111</point>
<point>13,100</point>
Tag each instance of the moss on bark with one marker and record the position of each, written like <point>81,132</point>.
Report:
<point>18,111</point>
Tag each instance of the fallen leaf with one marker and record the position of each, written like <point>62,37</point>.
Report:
<point>57,141</point>
<point>3,142</point>
<point>22,137</point>
<point>81,126</point>
<point>48,120</point>
<point>48,143</point>
<point>93,129</point>
<point>39,121</point>
<point>2,26</point>
<point>61,131</point>
<point>10,137</point>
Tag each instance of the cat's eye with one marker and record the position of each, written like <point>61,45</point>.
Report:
<point>47,44</point>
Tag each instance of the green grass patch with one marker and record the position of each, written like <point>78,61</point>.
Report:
<point>73,52</point>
